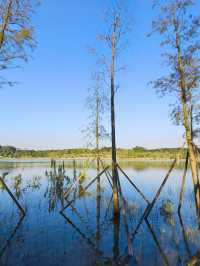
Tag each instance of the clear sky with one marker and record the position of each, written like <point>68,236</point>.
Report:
<point>46,108</point>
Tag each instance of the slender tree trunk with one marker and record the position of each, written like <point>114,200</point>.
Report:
<point>97,123</point>
<point>186,117</point>
<point>113,135</point>
<point>97,138</point>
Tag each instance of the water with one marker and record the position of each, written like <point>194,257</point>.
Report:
<point>85,233</point>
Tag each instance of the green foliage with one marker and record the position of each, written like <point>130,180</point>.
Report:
<point>7,151</point>
<point>23,34</point>
<point>16,34</point>
<point>167,207</point>
<point>17,185</point>
<point>166,210</point>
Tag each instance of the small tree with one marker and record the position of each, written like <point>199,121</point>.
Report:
<point>16,33</point>
<point>180,32</point>
<point>96,103</point>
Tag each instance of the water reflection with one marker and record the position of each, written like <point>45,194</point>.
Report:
<point>12,235</point>
<point>94,238</point>
<point>57,182</point>
<point>86,229</point>
<point>117,258</point>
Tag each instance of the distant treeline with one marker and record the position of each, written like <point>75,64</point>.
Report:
<point>135,153</point>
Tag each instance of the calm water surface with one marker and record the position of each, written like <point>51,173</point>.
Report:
<point>86,234</point>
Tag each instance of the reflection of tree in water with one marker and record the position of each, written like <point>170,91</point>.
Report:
<point>169,246</point>
<point>57,183</point>
<point>54,191</point>
<point>34,183</point>
<point>169,242</point>
<point>190,236</point>
<point>8,242</point>
<point>103,225</point>
<point>94,237</point>
<point>80,192</point>
<point>17,186</point>
<point>140,165</point>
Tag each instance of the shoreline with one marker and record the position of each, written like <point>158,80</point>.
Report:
<point>48,160</point>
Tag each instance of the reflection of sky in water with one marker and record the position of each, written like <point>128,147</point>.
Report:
<point>45,237</point>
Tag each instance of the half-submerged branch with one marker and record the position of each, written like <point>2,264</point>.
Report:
<point>12,197</point>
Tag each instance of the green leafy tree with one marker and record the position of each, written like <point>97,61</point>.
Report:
<point>180,31</point>
<point>16,34</point>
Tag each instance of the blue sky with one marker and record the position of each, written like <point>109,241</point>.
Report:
<point>46,109</point>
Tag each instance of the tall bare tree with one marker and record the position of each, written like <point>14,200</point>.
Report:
<point>117,26</point>
<point>16,33</point>
<point>180,30</point>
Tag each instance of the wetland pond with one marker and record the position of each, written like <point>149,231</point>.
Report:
<point>85,234</point>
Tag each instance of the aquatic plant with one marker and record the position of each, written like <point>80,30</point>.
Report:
<point>17,186</point>
<point>167,208</point>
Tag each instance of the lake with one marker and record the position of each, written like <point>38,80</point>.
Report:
<point>85,232</point>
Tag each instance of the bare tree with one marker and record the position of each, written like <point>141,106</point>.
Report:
<point>16,33</point>
<point>96,103</point>
<point>117,26</point>
<point>180,31</point>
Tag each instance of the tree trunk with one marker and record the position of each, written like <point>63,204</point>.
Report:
<point>114,157</point>
<point>97,139</point>
<point>97,123</point>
